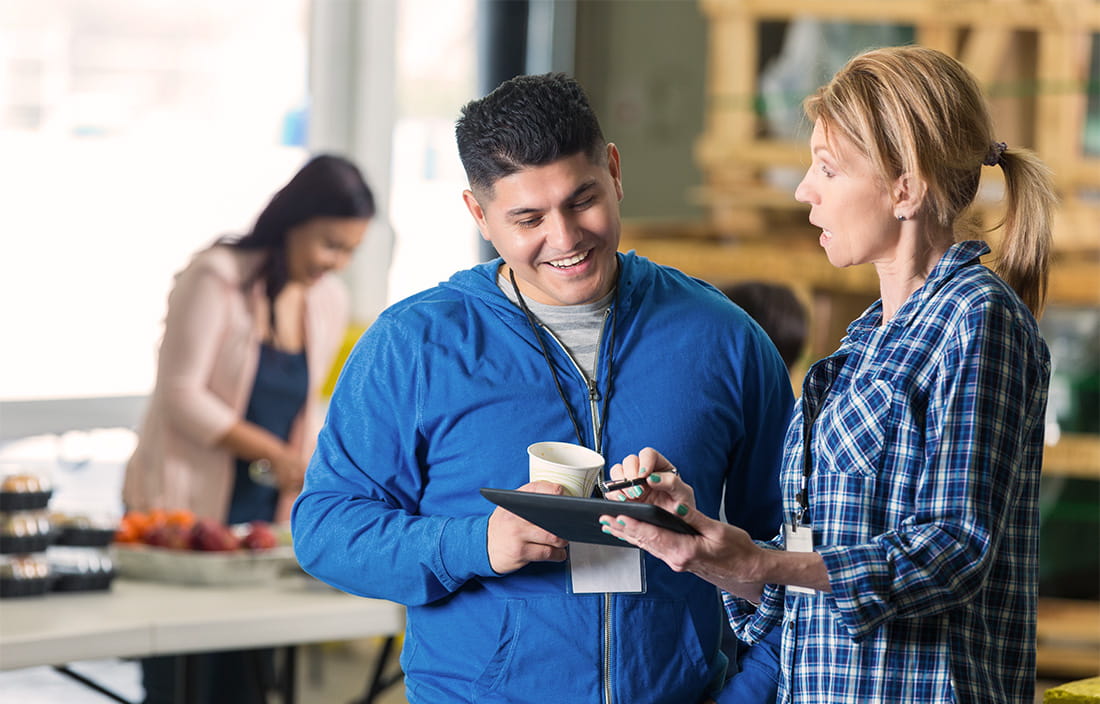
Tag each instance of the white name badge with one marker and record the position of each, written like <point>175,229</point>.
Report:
<point>605,568</point>
<point>798,538</point>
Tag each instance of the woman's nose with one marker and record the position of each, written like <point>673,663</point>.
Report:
<point>341,259</point>
<point>803,193</point>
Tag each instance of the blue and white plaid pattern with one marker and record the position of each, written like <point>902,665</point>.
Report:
<point>924,500</point>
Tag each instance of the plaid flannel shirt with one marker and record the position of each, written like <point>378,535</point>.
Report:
<point>926,446</point>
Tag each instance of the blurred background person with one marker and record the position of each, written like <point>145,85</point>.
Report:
<point>778,311</point>
<point>253,325</point>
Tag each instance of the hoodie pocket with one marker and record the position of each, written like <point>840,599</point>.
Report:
<point>659,658</point>
<point>545,660</point>
<point>542,659</point>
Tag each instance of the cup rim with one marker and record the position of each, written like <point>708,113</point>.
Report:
<point>597,459</point>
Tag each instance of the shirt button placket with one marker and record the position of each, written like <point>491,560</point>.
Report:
<point>790,647</point>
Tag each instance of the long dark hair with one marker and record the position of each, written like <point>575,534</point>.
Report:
<point>327,186</point>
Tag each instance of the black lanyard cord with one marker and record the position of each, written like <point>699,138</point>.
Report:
<point>811,410</point>
<point>553,372</point>
<point>807,469</point>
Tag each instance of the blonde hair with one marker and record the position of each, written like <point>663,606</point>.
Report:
<point>917,111</point>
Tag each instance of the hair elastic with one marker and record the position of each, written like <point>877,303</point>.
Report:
<point>996,154</point>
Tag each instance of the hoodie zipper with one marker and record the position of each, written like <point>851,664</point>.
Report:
<point>594,407</point>
<point>590,384</point>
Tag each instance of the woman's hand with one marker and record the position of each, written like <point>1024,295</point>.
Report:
<point>722,554</point>
<point>276,463</point>
<point>654,467</point>
<point>289,468</point>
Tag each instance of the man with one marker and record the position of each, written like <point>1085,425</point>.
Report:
<point>561,338</point>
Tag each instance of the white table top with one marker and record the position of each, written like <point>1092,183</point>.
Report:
<point>136,619</point>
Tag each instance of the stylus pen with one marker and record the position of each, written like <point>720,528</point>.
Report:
<point>618,484</point>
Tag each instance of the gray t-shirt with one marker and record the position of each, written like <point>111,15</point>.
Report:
<point>576,327</point>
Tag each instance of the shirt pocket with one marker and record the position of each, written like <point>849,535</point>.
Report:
<point>851,435</point>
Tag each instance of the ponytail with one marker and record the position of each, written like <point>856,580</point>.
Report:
<point>1024,260</point>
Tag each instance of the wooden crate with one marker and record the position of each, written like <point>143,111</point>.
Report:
<point>1068,634</point>
<point>1032,56</point>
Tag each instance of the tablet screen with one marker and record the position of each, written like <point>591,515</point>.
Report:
<point>577,520</point>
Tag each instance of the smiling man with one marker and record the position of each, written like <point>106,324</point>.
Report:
<point>560,338</point>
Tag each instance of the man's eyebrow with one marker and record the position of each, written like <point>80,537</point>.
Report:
<point>520,212</point>
<point>577,192</point>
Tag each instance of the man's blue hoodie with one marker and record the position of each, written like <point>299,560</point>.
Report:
<point>442,396</point>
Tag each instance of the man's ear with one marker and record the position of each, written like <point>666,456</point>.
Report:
<point>477,212</point>
<point>615,168</point>
<point>908,192</point>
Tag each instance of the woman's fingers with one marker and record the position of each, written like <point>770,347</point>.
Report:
<point>662,544</point>
<point>625,470</point>
<point>669,491</point>
<point>654,461</point>
<point>649,465</point>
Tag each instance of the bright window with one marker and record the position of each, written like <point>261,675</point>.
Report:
<point>436,76</point>
<point>131,134</point>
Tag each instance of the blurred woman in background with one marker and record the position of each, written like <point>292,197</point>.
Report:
<point>253,326</point>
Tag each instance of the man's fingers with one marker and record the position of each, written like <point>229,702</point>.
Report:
<point>535,552</point>
<point>542,486</point>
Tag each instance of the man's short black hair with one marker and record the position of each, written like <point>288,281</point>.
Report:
<point>526,121</point>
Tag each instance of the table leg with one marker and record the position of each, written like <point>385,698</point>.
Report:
<point>378,682</point>
<point>88,682</point>
<point>289,674</point>
<point>187,679</point>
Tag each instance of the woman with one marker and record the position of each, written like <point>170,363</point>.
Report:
<point>908,565</point>
<point>252,328</point>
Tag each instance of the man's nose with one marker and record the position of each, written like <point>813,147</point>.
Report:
<point>563,232</point>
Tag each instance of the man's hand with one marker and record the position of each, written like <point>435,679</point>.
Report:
<point>513,542</point>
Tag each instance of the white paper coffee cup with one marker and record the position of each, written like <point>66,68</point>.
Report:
<point>574,467</point>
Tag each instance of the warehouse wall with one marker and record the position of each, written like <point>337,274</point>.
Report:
<point>642,63</point>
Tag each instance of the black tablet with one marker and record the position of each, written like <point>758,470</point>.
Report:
<point>578,520</point>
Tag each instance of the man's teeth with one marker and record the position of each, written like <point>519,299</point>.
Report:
<point>562,263</point>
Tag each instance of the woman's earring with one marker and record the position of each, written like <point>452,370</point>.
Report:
<point>901,218</point>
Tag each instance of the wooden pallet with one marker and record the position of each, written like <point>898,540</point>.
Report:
<point>1068,638</point>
